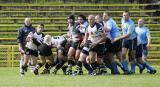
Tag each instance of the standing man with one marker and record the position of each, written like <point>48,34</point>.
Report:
<point>143,37</point>
<point>129,42</point>
<point>96,35</point>
<point>21,39</point>
<point>144,40</point>
<point>112,32</point>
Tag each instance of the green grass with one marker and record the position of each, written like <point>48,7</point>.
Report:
<point>10,78</point>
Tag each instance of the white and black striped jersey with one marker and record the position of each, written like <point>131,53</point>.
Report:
<point>37,40</point>
<point>94,32</point>
<point>39,37</point>
<point>82,27</point>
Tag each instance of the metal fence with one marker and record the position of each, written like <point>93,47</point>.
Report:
<point>9,55</point>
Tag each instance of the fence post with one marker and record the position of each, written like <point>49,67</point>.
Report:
<point>8,55</point>
<point>12,56</point>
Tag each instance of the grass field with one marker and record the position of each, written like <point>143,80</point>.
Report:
<point>10,77</point>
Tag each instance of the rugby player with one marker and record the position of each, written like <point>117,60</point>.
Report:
<point>144,40</point>
<point>95,36</point>
<point>21,39</point>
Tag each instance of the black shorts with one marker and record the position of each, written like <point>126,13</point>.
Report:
<point>28,51</point>
<point>99,49</point>
<point>62,50</point>
<point>76,45</point>
<point>44,50</point>
<point>141,50</point>
<point>117,46</point>
<point>63,43</point>
<point>130,44</point>
<point>108,46</point>
<point>64,47</point>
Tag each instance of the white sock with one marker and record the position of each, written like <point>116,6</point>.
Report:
<point>20,65</point>
<point>32,68</point>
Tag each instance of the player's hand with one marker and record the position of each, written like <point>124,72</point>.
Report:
<point>30,37</point>
<point>114,40</point>
<point>69,39</point>
<point>31,33</point>
<point>21,50</point>
<point>148,46</point>
<point>82,44</point>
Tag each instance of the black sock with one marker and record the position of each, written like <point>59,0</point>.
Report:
<point>39,65</point>
<point>74,63</point>
<point>52,65</point>
<point>94,65</point>
<point>70,62</point>
<point>47,66</point>
<point>24,66</point>
<point>64,68</point>
<point>87,66</point>
<point>60,64</point>
<point>79,64</point>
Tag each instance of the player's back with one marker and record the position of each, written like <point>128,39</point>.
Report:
<point>57,40</point>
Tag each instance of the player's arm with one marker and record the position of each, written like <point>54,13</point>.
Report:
<point>103,37</point>
<point>20,47</point>
<point>107,27</point>
<point>148,37</point>
<point>130,30</point>
<point>66,35</point>
<point>19,40</point>
<point>85,37</point>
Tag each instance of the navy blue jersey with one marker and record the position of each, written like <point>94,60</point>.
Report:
<point>23,33</point>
